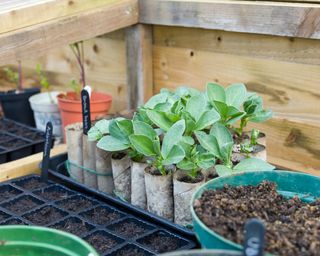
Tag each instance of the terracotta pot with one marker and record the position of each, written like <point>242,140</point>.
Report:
<point>71,110</point>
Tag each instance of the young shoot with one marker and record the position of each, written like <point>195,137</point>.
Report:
<point>44,81</point>
<point>146,141</point>
<point>15,76</point>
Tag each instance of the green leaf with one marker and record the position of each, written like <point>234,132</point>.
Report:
<point>159,119</point>
<point>142,144</point>
<point>94,134</point>
<point>223,170</point>
<point>253,164</point>
<point>221,133</point>
<point>187,140</point>
<point>142,128</point>
<point>125,126</point>
<point>208,142</point>
<point>111,144</point>
<point>156,146</point>
<point>172,137</point>
<point>222,109</point>
<point>175,155</point>
<point>155,100</point>
<point>103,126</point>
<point>116,132</point>
<point>234,115</point>
<point>261,116</point>
<point>208,118</point>
<point>226,151</point>
<point>186,165</point>
<point>196,105</point>
<point>236,94</point>
<point>216,92</point>
<point>206,160</point>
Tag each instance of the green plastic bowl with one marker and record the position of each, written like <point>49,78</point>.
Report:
<point>203,253</point>
<point>40,241</point>
<point>306,186</point>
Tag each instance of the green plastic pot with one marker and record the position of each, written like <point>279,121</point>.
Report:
<point>40,241</point>
<point>306,186</point>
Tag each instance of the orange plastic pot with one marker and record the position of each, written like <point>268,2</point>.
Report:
<point>71,110</point>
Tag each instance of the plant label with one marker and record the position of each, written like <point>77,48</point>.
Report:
<point>46,152</point>
<point>254,238</point>
<point>85,99</point>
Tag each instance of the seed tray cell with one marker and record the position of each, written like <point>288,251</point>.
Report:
<point>76,203</point>
<point>4,216</point>
<point>22,204</point>
<point>131,250</point>
<point>53,193</point>
<point>95,217</point>
<point>102,215</point>
<point>7,192</point>
<point>18,140</point>
<point>45,215</point>
<point>103,241</point>
<point>74,225</point>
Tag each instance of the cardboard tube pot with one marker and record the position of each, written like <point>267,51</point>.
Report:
<point>121,171</point>
<point>183,190</point>
<point>89,162</point>
<point>262,139</point>
<point>104,170</point>
<point>159,191</point>
<point>259,151</point>
<point>138,188</point>
<point>74,147</point>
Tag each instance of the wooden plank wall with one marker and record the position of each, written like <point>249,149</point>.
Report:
<point>285,71</point>
<point>105,67</point>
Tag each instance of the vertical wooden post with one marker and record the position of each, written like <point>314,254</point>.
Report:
<point>139,64</point>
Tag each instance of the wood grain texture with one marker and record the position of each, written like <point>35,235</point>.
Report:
<point>290,89</point>
<point>19,14</point>
<point>38,39</point>
<point>139,64</point>
<point>293,145</point>
<point>26,165</point>
<point>289,49</point>
<point>105,65</point>
<point>272,18</point>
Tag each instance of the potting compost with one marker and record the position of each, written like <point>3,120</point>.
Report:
<point>292,225</point>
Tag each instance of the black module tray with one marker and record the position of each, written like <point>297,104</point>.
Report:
<point>112,226</point>
<point>18,140</point>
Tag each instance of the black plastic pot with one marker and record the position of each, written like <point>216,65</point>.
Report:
<point>74,205</point>
<point>16,106</point>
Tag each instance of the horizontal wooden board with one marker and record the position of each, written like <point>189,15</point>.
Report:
<point>272,18</point>
<point>290,89</point>
<point>23,13</point>
<point>289,49</point>
<point>38,39</point>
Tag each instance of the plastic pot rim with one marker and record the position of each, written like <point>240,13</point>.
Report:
<point>203,188</point>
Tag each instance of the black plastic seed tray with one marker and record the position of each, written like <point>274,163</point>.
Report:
<point>18,140</point>
<point>111,226</point>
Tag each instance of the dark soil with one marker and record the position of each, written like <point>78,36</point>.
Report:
<point>118,156</point>
<point>131,251</point>
<point>76,204</point>
<point>45,216</point>
<point>15,143</point>
<point>101,216</point>
<point>74,226</point>
<point>53,194</point>
<point>5,137</point>
<point>154,171</point>
<point>3,216</point>
<point>22,204</point>
<point>101,241</point>
<point>188,179</point>
<point>293,226</point>
<point>161,242</point>
<point>33,136</point>
<point>129,229</point>
<point>31,184</point>
<point>13,222</point>
<point>7,192</point>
